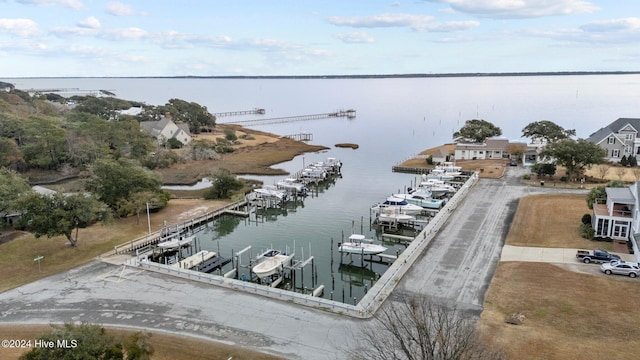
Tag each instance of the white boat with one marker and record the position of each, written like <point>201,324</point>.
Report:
<point>358,244</point>
<point>267,192</point>
<point>421,198</point>
<point>292,186</point>
<point>270,262</point>
<point>175,242</point>
<point>392,215</point>
<point>401,204</point>
<point>440,174</point>
<point>436,187</point>
<point>450,167</point>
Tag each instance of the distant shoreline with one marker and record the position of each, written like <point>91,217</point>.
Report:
<point>381,76</point>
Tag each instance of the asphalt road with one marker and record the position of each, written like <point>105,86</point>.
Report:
<point>457,267</point>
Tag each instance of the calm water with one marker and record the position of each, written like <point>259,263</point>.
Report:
<point>396,118</point>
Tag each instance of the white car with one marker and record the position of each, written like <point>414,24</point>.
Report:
<point>621,268</point>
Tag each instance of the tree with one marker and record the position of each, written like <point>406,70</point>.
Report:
<point>223,182</point>
<point>623,161</point>
<point>87,341</point>
<point>115,181</point>
<point>417,328</point>
<point>542,169</point>
<point>632,161</point>
<point>546,131</point>
<point>574,155</point>
<point>599,194</point>
<point>476,131</point>
<point>12,185</point>
<point>59,214</point>
<point>517,149</point>
<point>602,170</point>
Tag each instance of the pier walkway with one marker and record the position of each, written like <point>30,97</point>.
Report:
<point>153,238</point>
<point>237,113</point>
<point>350,114</point>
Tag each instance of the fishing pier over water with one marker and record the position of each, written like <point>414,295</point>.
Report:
<point>349,114</point>
<point>238,113</point>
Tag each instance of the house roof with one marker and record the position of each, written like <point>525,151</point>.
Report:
<point>620,195</point>
<point>489,144</point>
<point>614,127</point>
<point>441,153</point>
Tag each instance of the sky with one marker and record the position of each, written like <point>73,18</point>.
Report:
<point>93,38</point>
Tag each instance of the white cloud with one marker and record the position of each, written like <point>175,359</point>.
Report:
<point>631,24</point>
<point>19,27</point>
<point>503,9</point>
<point>382,20</point>
<point>355,38</point>
<point>90,23</point>
<point>120,9</point>
<point>71,4</point>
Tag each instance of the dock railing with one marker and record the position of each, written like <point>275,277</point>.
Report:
<point>371,301</point>
<point>155,236</point>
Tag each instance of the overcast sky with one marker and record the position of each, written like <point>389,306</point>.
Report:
<point>311,37</point>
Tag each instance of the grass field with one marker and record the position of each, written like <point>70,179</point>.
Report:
<point>569,315</point>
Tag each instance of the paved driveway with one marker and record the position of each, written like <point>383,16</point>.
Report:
<point>458,267</point>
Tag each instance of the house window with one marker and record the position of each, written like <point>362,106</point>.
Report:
<point>602,229</point>
<point>620,229</point>
<point>628,136</point>
<point>615,153</point>
<point>628,149</point>
<point>612,140</point>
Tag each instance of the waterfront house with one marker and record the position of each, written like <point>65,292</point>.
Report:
<point>619,217</point>
<point>620,138</point>
<point>165,129</point>
<point>492,148</point>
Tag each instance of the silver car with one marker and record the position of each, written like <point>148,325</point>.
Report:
<point>621,268</point>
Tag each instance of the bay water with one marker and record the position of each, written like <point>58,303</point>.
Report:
<point>396,119</point>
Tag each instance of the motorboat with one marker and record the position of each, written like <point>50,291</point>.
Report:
<point>358,244</point>
<point>292,186</point>
<point>450,167</point>
<point>401,204</point>
<point>440,174</point>
<point>436,187</point>
<point>175,242</point>
<point>270,262</point>
<point>267,193</point>
<point>421,198</point>
<point>392,215</point>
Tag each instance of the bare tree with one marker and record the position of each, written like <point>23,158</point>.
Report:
<point>602,169</point>
<point>621,171</point>
<point>415,328</point>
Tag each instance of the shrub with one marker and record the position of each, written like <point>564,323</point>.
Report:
<point>526,177</point>
<point>564,179</point>
<point>586,219</point>
<point>230,135</point>
<point>586,231</point>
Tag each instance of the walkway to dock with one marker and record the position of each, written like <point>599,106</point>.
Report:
<point>237,113</point>
<point>350,114</point>
<point>154,237</point>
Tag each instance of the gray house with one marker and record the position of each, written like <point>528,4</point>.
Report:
<point>620,138</point>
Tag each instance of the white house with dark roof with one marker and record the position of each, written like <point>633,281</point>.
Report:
<point>619,217</point>
<point>620,138</point>
<point>165,129</point>
<point>492,148</point>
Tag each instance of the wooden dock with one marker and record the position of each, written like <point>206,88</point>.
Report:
<point>154,237</point>
<point>300,137</point>
<point>237,113</point>
<point>350,114</point>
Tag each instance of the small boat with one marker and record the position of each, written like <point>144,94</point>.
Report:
<point>270,262</point>
<point>292,186</point>
<point>399,203</point>
<point>358,244</point>
<point>440,174</point>
<point>421,198</point>
<point>392,215</point>
<point>436,187</point>
<point>175,242</point>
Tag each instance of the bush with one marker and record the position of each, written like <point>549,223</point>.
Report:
<point>230,135</point>
<point>586,219</point>
<point>526,177</point>
<point>586,231</point>
<point>564,179</point>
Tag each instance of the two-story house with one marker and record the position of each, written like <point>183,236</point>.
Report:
<point>619,217</point>
<point>165,129</point>
<point>620,138</point>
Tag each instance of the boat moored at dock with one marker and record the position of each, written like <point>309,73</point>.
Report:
<point>398,203</point>
<point>358,244</point>
<point>270,262</point>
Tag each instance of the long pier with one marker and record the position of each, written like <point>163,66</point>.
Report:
<point>154,237</point>
<point>243,112</point>
<point>350,114</point>
<point>300,136</point>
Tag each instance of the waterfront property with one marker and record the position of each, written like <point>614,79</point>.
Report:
<point>165,129</point>
<point>619,217</point>
<point>620,138</point>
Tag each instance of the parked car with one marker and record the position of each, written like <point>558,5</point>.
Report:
<point>621,268</point>
<point>513,162</point>
<point>597,256</point>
